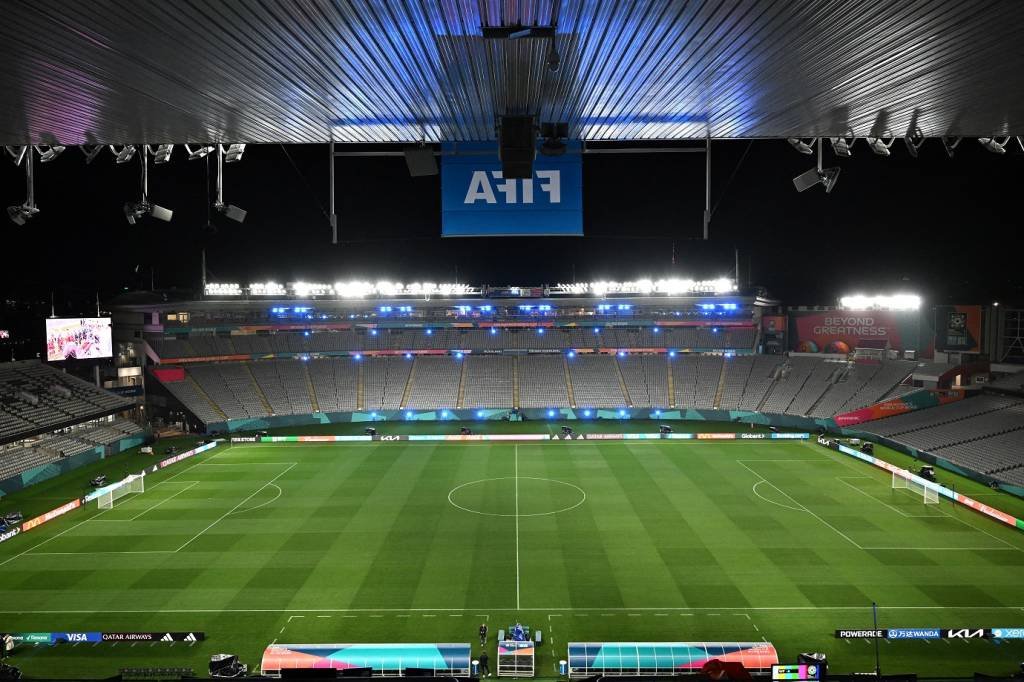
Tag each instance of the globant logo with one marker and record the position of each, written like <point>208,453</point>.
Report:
<point>9,534</point>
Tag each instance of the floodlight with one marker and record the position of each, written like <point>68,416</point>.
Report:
<point>827,177</point>
<point>162,153</point>
<point>993,145</point>
<point>48,153</point>
<point>232,212</point>
<point>879,145</point>
<point>234,152</point>
<point>198,152</point>
<point>800,145</point>
<point>124,154</point>
<point>20,214</point>
<point>17,153</point>
<point>143,207</point>
<point>841,146</point>
<point>950,144</point>
<point>914,138</point>
<point>91,151</point>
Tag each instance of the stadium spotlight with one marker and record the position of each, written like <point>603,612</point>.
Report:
<point>842,147</point>
<point>801,146</point>
<point>91,151</point>
<point>950,144</point>
<point>234,152</point>
<point>914,138</point>
<point>993,145</point>
<point>49,152</point>
<point>879,145</point>
<point>133,211</point>
<point>827,177</point>
<point>162,153</point>
<point>554,135</point>
<point>17,153</point>
<point>124,154</point>
<point>20,214</point>
<point>228,210</point>
<point>198,152</point>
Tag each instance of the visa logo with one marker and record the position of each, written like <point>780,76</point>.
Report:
<point>486,186</point>
<point>76,636</point>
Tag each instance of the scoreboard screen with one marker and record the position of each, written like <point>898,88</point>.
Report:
<point>802,671</point>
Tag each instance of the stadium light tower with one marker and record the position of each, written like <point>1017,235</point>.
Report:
<point>233,212</point>
<point>20,214</point>
<point>134,211</point>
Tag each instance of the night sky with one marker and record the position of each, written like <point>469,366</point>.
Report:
<point>941,227</point>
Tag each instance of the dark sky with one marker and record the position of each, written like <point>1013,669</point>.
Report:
<point>948,225</point>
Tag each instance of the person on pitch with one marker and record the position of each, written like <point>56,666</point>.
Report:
<point>485,668</point>
<point>483,634</point>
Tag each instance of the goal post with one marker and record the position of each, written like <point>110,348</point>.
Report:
<point>906,480</point>
<point>133,484</point>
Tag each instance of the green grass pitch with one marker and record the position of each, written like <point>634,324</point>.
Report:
<point>586,541</point>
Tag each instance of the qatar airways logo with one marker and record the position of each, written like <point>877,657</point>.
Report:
<point>850,326</point>
<point>491,187</point>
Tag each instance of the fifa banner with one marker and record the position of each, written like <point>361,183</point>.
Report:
<point>980,507</point>
<point>511,437</point>
<point>839,331</point>
<point>477,201</point>
<point>96,637</point>
<point>958,328</point>
<point>933,633</point>
<point>918,400</point>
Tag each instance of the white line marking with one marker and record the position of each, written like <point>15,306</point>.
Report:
<point>162,501</point>
<point>275,498</point>
<point>192,539</point>
<point>870,496</point>
<point>823,521</point>
<point>576,609</point>
<point>753,489</point>
<point>517,524</point>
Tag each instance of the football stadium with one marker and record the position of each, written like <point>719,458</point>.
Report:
<point>528,355</point>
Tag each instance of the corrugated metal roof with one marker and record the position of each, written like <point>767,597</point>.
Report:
<point>402,70</point>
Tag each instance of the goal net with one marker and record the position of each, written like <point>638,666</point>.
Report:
<point>903,479</point>
<point>132,485</point>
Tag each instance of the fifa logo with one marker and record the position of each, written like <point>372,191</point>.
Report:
<point>486,186</point>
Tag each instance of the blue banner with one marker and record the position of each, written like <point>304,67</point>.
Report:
<point>476,201</point>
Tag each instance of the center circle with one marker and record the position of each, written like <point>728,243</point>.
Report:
<point>500,496</point>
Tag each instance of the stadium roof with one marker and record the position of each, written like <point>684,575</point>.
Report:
<point>123,71</point>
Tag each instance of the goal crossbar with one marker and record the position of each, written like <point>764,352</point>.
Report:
<point>904,479</point>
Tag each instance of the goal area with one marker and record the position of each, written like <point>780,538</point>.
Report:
<point>904,479</point>
<point>133,484</point>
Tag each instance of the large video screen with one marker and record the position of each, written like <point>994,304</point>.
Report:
<point>81,338</point>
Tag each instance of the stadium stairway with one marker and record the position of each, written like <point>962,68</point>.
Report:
<point>671,384</point>
<point>206,396</point>
<point>515,381</point>
<point>257,390</point>
<point>568,382</point>
<point>622,384</point>
<point>309,388</point>
<point>721,387</point>
<point>409,383</point>
<point>360,388</point>
<point>461,399</point>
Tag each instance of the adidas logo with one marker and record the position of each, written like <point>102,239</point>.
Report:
<point>190,637</point>
<point>167,638</point>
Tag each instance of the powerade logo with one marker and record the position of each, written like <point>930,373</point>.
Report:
<point>914,633</point>
<point>860,634</point>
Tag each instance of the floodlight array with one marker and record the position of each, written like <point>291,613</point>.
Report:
<point>354,289</point>
<point>892,302</point>
<point>669,287</point>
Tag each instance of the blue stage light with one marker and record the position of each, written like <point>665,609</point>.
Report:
<point>540,331</point>
<point>586,413</point>
<point>493,331</point>
<point>671,353</point>
<point>458,356</point>
<point>358,356</point>
<point>408,415</point>
<point>408,356</point>
<point>480,413</point>
<point>572,354</point>
<point>430,332</point>
<point>551,413</point>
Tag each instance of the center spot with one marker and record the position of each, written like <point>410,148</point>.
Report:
<point>497,496</point>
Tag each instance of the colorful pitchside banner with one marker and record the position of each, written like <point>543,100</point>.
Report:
<point>476,201</point>
<point>918,400</point>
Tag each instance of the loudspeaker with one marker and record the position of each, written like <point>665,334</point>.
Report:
<point>516,146</point>
<point>420,161</point>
